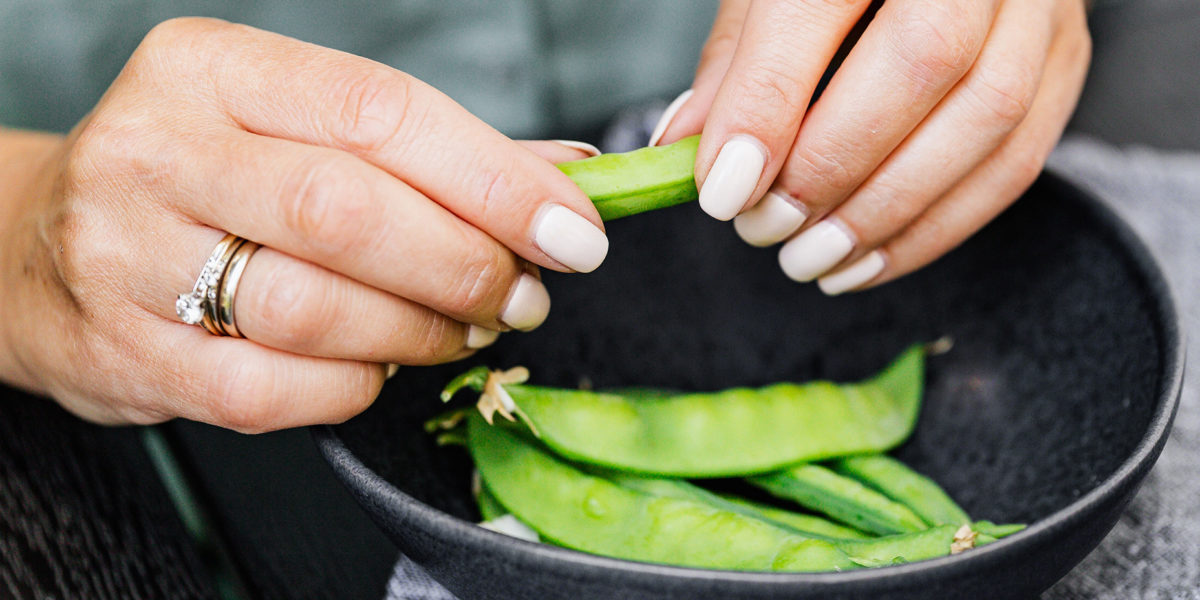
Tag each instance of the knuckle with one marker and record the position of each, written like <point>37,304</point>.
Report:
<point>824,169</point>
<point>375,104</point>
<point>328,205</point>
<point>480,280</point>
<point>935,40</point>
<point>1005,90</point>
<point>439,338</point>
<point>774,92</point>
<point>172,40</point>
<point>243,398</point>
<point>288,305</point>
<point>720,46</point>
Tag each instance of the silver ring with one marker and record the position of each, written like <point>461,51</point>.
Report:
<point>196,306</point>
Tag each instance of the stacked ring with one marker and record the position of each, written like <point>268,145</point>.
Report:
<point>210,303</point>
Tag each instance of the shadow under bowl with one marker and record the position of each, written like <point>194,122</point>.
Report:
<point>1053,404</point>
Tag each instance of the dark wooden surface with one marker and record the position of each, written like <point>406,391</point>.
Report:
<point>83,514</point>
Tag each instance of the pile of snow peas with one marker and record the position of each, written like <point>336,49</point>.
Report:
<point>623,473</point>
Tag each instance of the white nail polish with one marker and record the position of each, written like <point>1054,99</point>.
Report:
<point>480,337</point>
<point>581,146</point>
<point>771,220</point>
<point>815,251</point>
<point>570,239</point>
<point>528,304</point>
<point>733,177</point>
<point>392,369</point>
<point>854,275</point>
<point>668,115</point>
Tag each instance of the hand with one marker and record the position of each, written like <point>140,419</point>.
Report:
<point>396,228</point>
<point>941,115</point>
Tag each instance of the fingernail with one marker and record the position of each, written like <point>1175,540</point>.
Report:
<point>771,220</point>
<point>733,177</point>
<point>582,146</point>
<point>392,369</point>
<point>570,239</point>
<point>480,337</point>
<point>528,304</point>
<point>668,115</point>
<point>816,250</point>
<point>854,275</point>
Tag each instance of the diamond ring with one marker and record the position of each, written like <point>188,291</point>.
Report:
<point>198,307</point>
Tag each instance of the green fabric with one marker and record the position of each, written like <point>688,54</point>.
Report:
<point>531,68</point>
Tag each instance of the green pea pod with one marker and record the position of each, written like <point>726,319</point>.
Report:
<point>809,524</point>
<point>866,551</point>
<point>723,434</point>
<point>589,513</point>
<point>992,530</point>
<point>897,481</point>
<point>805,525</point>
<point>841,498</point>
<point>489,507</point>
<point>901,548</point>
<point>634,182</point>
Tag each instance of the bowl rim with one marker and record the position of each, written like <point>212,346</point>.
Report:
<point>368,486</point>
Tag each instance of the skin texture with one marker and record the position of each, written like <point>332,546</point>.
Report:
<point>727,433</point>
<point>940,115</point>
<point>391,220</point>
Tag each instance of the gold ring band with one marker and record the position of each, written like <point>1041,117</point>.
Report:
<point>224,305</point>
<point>212,321</point>
<point>193,307</point>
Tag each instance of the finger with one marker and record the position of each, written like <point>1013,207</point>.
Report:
<point>686,114</point>
<point>330,208</point>
<point>557,151</point>
<point>783,50</point>
<point>280,87</point>
<point>969,123</point>
<point>910,55</point>
<point>240,385</point>
<point>998,181</point>
<point>301,308</point>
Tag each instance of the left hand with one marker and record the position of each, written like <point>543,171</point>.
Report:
<point>941,115</point>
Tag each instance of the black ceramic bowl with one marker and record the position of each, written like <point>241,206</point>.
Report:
<point>1050,409</point>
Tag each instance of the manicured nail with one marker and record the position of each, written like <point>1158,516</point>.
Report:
<point>480,337</point>
<point>392,369</point>
<point>771,220</point>
<point>668,115</point>
<point>733,177</point>
<point>528,304</point>
<point>816,250</point>
<point>581,146</point>
<point>854,275</point>
<point>570,239</point>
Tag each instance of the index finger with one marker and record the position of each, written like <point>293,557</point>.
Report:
<point>280,87</point>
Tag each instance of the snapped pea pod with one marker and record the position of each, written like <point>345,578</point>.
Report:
<point>727,433</point>
<point>590,513</point>
<point>634,182</point>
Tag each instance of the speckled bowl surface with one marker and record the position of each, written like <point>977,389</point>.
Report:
<point>1051,407</point>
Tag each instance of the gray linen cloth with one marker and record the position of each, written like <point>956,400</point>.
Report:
<point>1154,551</point>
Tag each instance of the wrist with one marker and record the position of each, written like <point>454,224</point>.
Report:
<point>26,168</point>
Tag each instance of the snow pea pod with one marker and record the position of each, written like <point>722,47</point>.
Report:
<point>629,183</point>
<point>809,524</point>
<point>866,551</point>
<point>574,509</point>
<point>728,433</point>
<point>897,481</point>
<point>843,499</point>
<point>489,507</point>
<point>995,531</point>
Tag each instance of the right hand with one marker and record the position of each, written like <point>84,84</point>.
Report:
<point>396,228</point>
